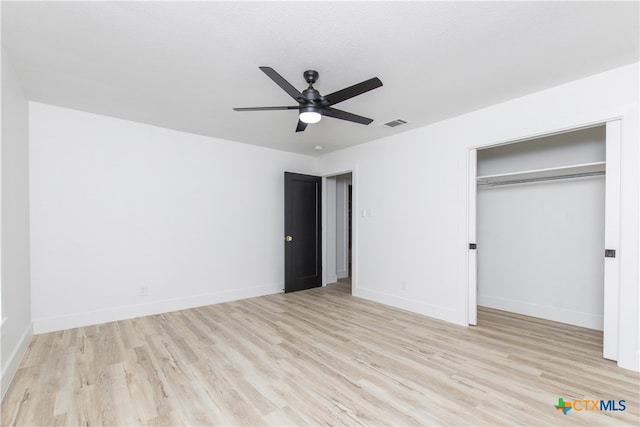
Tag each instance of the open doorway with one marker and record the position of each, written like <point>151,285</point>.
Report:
<point>338,230</point>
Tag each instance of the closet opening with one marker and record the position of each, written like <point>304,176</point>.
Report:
<point>542,216</point>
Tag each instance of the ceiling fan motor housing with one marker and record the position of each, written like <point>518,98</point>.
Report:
<point>311,95</point>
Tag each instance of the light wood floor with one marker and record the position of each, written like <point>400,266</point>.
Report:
<point>313,358</point>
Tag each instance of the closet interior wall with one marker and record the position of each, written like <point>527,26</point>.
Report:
<point>540,227</point>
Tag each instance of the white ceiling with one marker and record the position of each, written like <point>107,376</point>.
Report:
<point>185,65</point>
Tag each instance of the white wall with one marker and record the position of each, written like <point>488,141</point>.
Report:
<point>16,295</point>
<point>540,249</point>
<point>119,205</point>
<point>570,148</point>
<point>416,185</point>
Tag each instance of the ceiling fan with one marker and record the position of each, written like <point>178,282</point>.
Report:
<point>311,105</point>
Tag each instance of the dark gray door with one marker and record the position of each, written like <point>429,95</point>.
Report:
<point>302,228</point>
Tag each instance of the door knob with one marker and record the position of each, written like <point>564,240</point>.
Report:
<point>288,238</point>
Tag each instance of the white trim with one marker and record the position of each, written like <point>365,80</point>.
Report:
<point>556,314</point>
<point>439,312</point>
<point>342,240</point>
<point>323,225</point>
<point>12,364</point>
<point>77,320</point>
<point>472,255</point>
<point>355,206</point>
<point>612,241</point>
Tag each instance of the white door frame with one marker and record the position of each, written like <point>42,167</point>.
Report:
<point>472,279</point>
<point>612,240</point>
<point>354,226</point>
<point>612,228</point>
<point>342,228</point>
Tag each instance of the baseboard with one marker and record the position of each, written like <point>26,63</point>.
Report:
<point>342,274</point>
<point>78,320</point>
<point>556,314</point>
<point>13,361</point>
<point>332,278</point>
<point>438,312</point>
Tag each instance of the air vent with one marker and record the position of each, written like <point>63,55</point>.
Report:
<point>394,123</point>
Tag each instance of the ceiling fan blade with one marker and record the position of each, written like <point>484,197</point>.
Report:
<point>285,85</point>
<point>301,126</point>
<point>266,108</point>
<point>351,91</point>
<point>343,115</point>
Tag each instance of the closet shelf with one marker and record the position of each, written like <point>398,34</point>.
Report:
<point>584,169</point>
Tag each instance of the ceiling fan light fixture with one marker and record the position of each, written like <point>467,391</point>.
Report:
<point>310,115</point>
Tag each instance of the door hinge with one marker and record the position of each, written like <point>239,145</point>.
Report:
<point>473,246</point>
<point>609,253</point>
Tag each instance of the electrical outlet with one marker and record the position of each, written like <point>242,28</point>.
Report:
<point>144,291</point>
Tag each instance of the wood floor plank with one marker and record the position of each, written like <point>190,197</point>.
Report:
<point>317,357</point>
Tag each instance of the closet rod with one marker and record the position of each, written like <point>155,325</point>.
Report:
<point>546,178</point>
